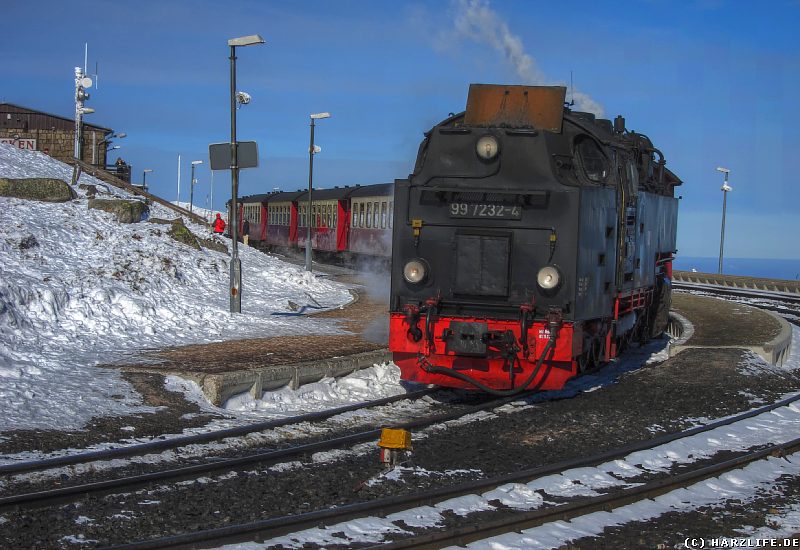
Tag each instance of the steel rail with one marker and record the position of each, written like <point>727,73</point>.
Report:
<point>738,291</point>
<point>52,496</point>
<point>535,518</point>
<point>206,437</point>
<point>284,525</point>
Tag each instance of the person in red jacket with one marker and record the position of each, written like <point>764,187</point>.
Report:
<point>219,225</point>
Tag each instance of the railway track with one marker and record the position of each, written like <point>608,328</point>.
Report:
<point>783,297</point>
<point>333,517</point>
<point>59,495</point>
<point>161,445</point>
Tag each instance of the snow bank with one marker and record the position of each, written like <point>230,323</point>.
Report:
<point>78,289</point>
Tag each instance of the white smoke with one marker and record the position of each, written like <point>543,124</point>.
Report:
<point>477,21</point>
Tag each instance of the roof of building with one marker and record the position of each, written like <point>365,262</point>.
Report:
<point>9,108</point>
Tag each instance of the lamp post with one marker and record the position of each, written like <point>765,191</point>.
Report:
<point>236,264</point>
<point>191,185</point>
<point>211,210</point>
<point>82,83</point>
<point>104,145</point>
<point>312,150</point>
<point>144,178</point>
<point>725,188</point>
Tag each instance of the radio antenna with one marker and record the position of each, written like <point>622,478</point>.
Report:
<point>571,90</point>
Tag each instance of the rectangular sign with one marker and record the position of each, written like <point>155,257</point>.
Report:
<point>220,155</point>
<point>21,143</point>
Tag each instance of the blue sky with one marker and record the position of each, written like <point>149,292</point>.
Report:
<point>712,82</point>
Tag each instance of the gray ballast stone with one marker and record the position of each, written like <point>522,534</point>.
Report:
<point>37,189</point>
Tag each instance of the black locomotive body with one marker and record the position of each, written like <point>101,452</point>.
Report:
<point>530,243</point>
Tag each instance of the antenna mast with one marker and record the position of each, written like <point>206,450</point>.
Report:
<point>571,90</point>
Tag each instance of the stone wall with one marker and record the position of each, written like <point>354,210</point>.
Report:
<point>60,144</point>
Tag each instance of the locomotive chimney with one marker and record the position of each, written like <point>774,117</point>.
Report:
<point>619,124</point>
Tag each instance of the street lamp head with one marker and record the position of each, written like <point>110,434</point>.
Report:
<point>318,116</point>
<point>246,40</point>
<point>723,170</point>
<point>243,98</point>
<point>147,170</point>
<point>726,188</point>
<point>197,162</point>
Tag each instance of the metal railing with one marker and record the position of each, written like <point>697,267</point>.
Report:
<point>113,179</point>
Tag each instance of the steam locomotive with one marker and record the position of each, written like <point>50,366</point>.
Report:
<point>530,243</point>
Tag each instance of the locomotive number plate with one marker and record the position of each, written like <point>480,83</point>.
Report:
<point>478,210</point>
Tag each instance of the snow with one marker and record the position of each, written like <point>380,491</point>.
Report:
<point>94,292</point>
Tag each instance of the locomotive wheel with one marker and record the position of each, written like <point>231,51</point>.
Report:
<point>597,352</point>
<point>583,362</point>
<point>659,312</point>
<point>592,357</point>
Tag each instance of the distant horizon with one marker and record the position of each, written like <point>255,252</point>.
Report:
<point>768,268</point>
<point>726,258</point>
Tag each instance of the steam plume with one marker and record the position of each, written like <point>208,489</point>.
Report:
<point>477,21</point>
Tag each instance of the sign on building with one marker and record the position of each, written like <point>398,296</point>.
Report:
<point>21,143</point>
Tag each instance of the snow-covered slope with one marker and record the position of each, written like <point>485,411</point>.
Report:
<point>78,289</point>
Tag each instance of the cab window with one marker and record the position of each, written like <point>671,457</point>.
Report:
<point>591,159</point>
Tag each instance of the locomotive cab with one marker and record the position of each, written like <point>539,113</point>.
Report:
<point>524,246</point>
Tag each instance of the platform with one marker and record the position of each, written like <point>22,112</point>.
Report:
<point>722,324</point>
<point>227,368</point>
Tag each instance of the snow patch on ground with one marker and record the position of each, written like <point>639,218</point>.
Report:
<point>91,291</point>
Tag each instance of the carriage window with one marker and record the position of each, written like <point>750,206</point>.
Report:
<point>375,213</point>
<point>383,215</point>
<point>354,223</point>
<point>391,213</point>
<point>361,215</point>
<point>369,214</point>
<point>594,163</point>
<point>335,216</point>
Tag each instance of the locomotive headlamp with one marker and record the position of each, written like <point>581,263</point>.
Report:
<point>487,147</point>
<point>548,277</point>
<point>415,271</point>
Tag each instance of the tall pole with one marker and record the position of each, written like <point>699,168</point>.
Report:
<point>79,97</point>
<point>191,190</point>
<point>725,189</point>
<point>236,264</point>
<point>178,200</point>
<point>144,180</point>
<point>211,210</point>
<point>310,190</point>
